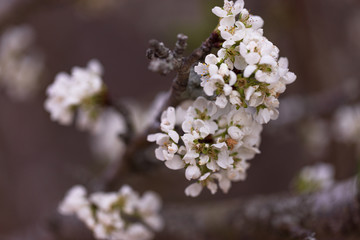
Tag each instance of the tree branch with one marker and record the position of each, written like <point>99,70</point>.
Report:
<point>176,94</point>
<point>333,213</point>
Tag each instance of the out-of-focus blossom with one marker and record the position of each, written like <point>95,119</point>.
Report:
<point>315,178</point>
<point>83,94</point>
<point>347,124</point>
<point>122,215</point>
<point>21,65</point>
<point>106,138</point>
<point>83,89</point>
<point>316,136</point>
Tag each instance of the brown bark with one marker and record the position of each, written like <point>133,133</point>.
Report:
<point>330,214</point>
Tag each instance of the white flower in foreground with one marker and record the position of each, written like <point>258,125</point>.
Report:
<point>168,120</point>
<point>229,9</point>
<point>21,65</point>
<point>220,81</point>
<point>80,89</point>
<point>122,215</point>
<point>254,22</point>
<point>214,146</point>
<point>245,80</point>
<point>231,30</point>
<point>203,68</point>
<point>247,71</point>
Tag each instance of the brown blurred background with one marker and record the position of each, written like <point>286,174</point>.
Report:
<point>40,160</point>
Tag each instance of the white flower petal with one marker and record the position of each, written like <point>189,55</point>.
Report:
<point>221,101</point>
<point>249,70</point>
<point>219,12</point>
<point>192,172</point>
<point>174,136</point>
<point>176,163</point>
<point>193,190</point>
<point>212,187</point>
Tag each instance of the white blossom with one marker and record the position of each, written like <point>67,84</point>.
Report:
<point>243,81</point>
<point>203,68</point>
<point>229,9</point>
<point>107,214</point>
<point>21,65</point>
<point>168,120</point>
<point>105,135</point>
<point>193,190</point>
<point>217,142</point>
<point>75,199</point>
<point>76,90</point>
<point>220,80</point>
<point>231,30</point>
<point>261,76</point>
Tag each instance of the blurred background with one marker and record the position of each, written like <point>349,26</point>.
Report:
<point>40,159</point>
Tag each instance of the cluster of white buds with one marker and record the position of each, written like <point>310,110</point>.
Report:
<point>82,90</point>
<point>21,65</point>
<point>247,71</point>
<point>122,215</point>
<point>219,137</point>
<point>214,147</point>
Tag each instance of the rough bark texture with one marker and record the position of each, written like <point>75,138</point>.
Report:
<point>177,93</point>
<point>331,214</point>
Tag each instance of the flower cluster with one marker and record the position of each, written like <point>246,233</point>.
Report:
<point>214,147</point>
<point>247,70</point>
<point>82,90</point>
<point>217,138</point>
<point>21,65</point>
<point>84,93</point>
<point>122,215</point>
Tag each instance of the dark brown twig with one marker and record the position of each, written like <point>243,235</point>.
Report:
<point>116,170</point>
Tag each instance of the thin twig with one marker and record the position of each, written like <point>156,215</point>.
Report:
<point>117,169</point>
